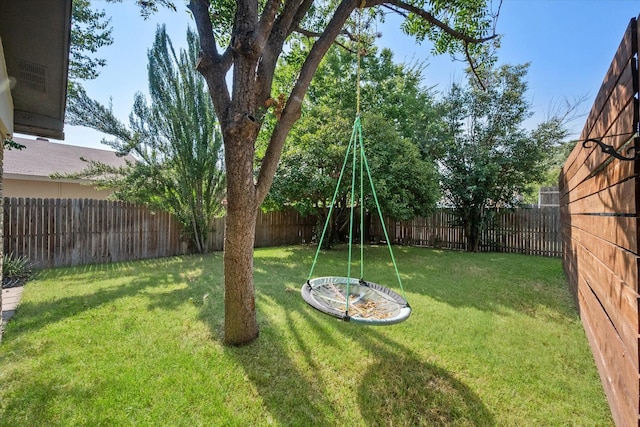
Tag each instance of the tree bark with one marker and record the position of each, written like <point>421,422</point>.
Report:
<point>1,235</point>
<point>252,54</point>
<point>473,242</point>
<point>473,227</point>
<point>240,322</point>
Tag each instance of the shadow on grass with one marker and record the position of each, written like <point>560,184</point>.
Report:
<point>32,403</point>
<point>488,281</point>
<point>289,397</point>
<point>286,367</point>
<point>492,282</point>
<point>401,389</point>
<point>35,314</point>
<point>396,389</point>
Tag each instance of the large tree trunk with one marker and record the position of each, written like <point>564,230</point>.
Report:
<point>473,238</point>
<point>256,44</point>
<point>240,322</point>
<point>473,228</point>
<point>1,234</point>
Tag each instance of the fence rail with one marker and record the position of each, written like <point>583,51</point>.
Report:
<point>63,232</point>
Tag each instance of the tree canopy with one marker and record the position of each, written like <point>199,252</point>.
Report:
<point>175,140</point>
<point>90,30</point>
<point>488,158</point>
<point>397,110</point>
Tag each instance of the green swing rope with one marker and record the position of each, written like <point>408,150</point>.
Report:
<point>351,212</point>
<point>356,143</point>
<point>333,201</point>
<point>384,227</point>
<point>361,205</point>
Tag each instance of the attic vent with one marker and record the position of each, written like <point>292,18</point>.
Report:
<point>33,76</point>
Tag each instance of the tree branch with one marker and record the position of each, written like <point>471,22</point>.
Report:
<point>291,111</point>
<point>210,59</point>
<point>200,11</point>
<point>344,32</point>
<point>293,11</point>
<point>430,19</point>
<point>473,67</point>
<point>312,34</point>
<point>394,10</point>
<point>299,15</point>
<point>266,22</point>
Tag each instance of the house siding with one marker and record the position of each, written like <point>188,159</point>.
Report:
<point>52,190</point>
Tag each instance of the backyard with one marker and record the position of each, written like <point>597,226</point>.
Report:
<point>494,339</point>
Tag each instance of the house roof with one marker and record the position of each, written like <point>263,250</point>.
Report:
<point>42,158</point>
<point>36,37</point>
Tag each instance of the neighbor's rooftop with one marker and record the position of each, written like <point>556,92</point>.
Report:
<point>41,158</point>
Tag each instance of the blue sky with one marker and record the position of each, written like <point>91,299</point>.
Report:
<point>569,43</point>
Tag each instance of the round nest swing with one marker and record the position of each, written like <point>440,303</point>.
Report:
<point>368,302</point>
<point>348,298</point>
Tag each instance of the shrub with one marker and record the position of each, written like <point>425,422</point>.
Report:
<point>16,266</point>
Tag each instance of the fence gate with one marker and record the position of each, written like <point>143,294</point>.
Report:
<point>600,212</point>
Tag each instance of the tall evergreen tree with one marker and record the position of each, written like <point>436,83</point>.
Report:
<point>175,140</point>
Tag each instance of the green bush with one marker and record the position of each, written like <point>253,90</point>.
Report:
<point>16,266</point>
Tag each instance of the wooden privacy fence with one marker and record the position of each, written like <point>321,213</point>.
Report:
<point>599,202</point>
<point>63,232</point>
<point>526,231</point>
<point>548,197</point>
<point>286,227</point>
<point>279,228</point>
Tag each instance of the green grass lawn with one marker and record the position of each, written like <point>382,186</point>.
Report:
<point>493,339</point>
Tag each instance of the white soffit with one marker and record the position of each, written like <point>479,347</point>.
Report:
<point>36,36</point>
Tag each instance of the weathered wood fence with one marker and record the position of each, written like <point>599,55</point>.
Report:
<point>63,232</point>
<point>599,201</point>
<point>526,231</point>
<point>284,228</point>
<point>548,197</point>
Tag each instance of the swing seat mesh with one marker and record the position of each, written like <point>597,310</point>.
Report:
<point>369,302</point>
